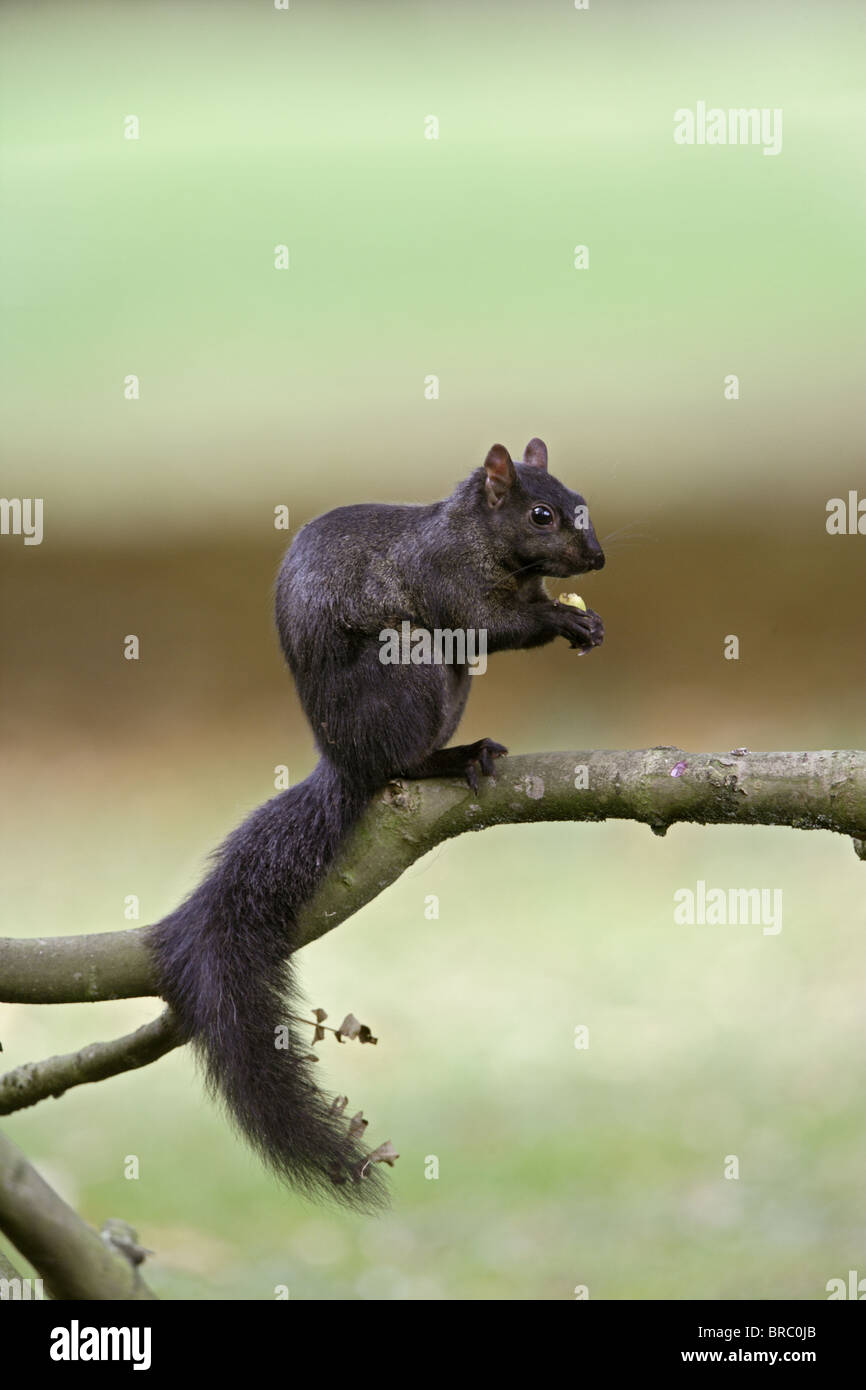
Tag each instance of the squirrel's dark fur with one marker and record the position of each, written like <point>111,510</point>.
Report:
<point>474,561</point>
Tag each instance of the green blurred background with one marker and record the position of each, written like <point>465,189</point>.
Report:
<point>454,257</point>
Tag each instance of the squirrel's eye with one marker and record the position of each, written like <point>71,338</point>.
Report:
<point>541,516</point>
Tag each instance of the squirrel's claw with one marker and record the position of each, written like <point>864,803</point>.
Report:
<point>482,755</point>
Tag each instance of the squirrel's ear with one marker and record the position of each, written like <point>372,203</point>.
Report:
<point>535,454</point>
<point>500,474</point>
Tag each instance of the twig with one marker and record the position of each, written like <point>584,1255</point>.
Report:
<point>52,1077</point>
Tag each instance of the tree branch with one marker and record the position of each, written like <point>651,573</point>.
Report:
<point>7,1268</point>
<point>36,1081</point>
<point>658,787</point>
<point>809,791</point>
<point>75,969</point>
<point>71,1256</point>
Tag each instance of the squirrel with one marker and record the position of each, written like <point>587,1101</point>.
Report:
<point>475,560</point>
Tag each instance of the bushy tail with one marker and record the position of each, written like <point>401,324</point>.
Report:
<point>225,969</point>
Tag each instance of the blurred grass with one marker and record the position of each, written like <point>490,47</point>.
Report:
<point>411,256</point>
<point>557,1166</point>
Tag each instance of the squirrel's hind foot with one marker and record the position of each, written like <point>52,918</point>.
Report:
<point>464,760</point>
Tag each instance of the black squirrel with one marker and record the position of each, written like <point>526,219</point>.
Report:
<point>474,561</point>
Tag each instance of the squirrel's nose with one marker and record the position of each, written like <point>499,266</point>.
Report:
<point>596,560</point>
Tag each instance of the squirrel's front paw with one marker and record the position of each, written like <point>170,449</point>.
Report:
<point>596,632</point>
<point>581,627</point>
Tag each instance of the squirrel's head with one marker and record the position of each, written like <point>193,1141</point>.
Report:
<point>538,522</point>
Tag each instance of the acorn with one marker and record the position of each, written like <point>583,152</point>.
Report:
<point>572,600</point>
